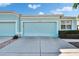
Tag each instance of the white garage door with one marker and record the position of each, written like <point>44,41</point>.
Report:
<point>40,29</point>
<point>7,28</point>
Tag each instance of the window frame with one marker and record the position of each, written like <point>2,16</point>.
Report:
<point>66,24</point>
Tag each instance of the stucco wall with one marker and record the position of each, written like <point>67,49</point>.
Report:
<point>74,25</point>
<point>10,17</point>
<point>4,16</point>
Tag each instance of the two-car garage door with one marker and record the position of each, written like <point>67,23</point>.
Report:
<point>7,28</point>
<point>40,29</point>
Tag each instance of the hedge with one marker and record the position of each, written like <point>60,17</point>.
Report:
<point>69,34</point>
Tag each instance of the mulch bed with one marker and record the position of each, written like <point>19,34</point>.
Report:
<point>76,44</point>
<point>3,44</point>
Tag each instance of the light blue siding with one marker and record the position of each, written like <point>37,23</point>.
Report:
<point>7,29</point>
<point>40,29</point>
<point>8,17</point>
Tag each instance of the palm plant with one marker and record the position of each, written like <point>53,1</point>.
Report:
<point>75,5</point>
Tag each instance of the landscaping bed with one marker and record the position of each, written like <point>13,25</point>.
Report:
<point>69,34</point>
<point>76,44</point>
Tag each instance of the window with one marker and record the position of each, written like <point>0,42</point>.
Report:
<point>65,24</point>
<point>62,26</point>
<point>68,26</point>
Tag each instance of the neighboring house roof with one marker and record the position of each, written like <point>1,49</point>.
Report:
<point>7,12</point>
<point>68,17</point>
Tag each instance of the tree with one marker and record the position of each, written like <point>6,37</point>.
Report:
<point>75,5</point>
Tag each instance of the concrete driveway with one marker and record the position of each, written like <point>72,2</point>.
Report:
<point>35,46</point>
<point>3,39</point>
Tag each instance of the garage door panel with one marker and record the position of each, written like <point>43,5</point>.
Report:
<point>40,29</point>
<point>7,28</point>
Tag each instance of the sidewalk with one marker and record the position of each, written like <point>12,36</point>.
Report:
<point>71,40</point>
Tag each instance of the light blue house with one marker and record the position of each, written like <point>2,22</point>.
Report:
<point>12,23</point>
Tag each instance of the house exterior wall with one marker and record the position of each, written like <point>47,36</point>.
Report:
<point>9,20</point>
<point>73,24</point>
<point>77,22</point>
<point>6,16</point>
<point>20,20</point>
<point>42,21</point>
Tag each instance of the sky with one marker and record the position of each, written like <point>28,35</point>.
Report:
<point>40,8</point>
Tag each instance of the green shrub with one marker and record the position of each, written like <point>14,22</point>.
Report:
<point>69,34</point>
